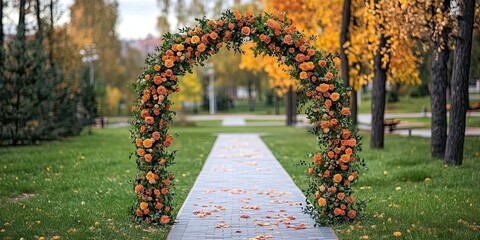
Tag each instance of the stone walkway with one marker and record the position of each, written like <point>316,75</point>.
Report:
<point>243,192</point>
<point>233,121</point>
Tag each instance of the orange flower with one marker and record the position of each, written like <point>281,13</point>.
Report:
<point>300,57</point>
<point>148,143</point>
<point>201,47</point>
<point>348,151</point>
<point>169,63</point>
<point>195,39</point>
<point>143,205</point>
<point>352,214</point>
<point>340,195</point>
<point>148,157</point>
<point>180,47</point>
<point>335,96</point>
<point>288,39</point>
<point>139,213</point>
<point>164,191</point>
<point>231,26</point>
<point>322,188</point>
<point>138,142</point>
<point>167,182</point>
<point>237,15</point>
<point>149,120</point>
<point>345,133</point>
<point>397,234</point>
<point>272,23</point>
<point>162,161</point>
<point>139,188</point>
<point>322,63</point>
<point>157,80</point>
<point>350,200</point>
<point>337,178</point>
<point>213,35</point>
<point>345,111</point>
<point>150,176</point>
<point>322,88</point>
<point>329,76</point>
<point>156,67</point>
<point>246,31</point>
<point>158,205</point>
<point>140,152</point>
<point>161,90</point>
<point>331,154</point>
<point>338,211</point>
<point>303,75</point>
<point>156,135</point>
<point>317,158</point>
<point>147,77</point>
<point>310,171</point>
<point>322,202</point>
<point>164,219</point>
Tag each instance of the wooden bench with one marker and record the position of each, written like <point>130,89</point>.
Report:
<point>391,124</point>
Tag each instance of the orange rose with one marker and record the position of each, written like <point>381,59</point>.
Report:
<point>139,188</point>
<point>337,178</point>
<point>148,157</point>
<point>138,142</point>
<point>180,47</point>
<point>322,63</point>
<point>246,31</point>
<point>164,219</point>
<point>150,176</point>
<point>156,67</point>
<point>195,39</point>
<point>140,152</point>
<point>310,171</point>
<point>331,154</point>
<point>338,211</point>
<point>322,202</point>
<point>201,47</point>
<point>329,76</point>
<point>303,75</point>
<point>340,195</point>
<point>322,88</point>
<point>156,135</point>
<point>345,158</point>
<point>161,90</point>
<point>271,23</point>
<point>317,158</point>
<point>352,214</point>
<point>348,151</point>
<point>350,200</point>
<point>149,120</point>
<point>169,63</point>
<point>158,205</point>
<point>213,35</point>
<point>397,234</point>
<point>300,58</point>
<point>335,96</point>
<point>352,142</point>
<point>164,191</point>
<point>345,111</point>
<point>167,182</point>
<point>322,188</point>
<point>143,205</point>
<point>288,39</point>
<point>139,213</point>
<point>148,143</point>
<point>157,80</point>
<point>162,161</point>
<point>147,77</point>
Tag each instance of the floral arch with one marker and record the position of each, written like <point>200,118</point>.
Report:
<point>333,167</point>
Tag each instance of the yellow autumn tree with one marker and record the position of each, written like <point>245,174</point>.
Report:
<point>190,90</point>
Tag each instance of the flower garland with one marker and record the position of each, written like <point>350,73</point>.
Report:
<point>333,168</point>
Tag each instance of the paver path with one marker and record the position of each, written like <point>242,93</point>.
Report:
<point>233,121</point>
<point>243,192</point>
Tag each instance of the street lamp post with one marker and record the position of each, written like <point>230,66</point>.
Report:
<point>89,55</point>
<point>211,87</point>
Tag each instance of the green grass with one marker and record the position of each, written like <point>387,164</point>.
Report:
<point>81,185</point>
<point>406,104</point>
<point>426,122</point>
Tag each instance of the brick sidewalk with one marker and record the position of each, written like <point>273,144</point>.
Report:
<point>243,192</point>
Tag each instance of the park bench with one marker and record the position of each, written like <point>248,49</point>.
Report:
<point>394,124</point>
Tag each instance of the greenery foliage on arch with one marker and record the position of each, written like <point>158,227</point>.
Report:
<point>333,167</point>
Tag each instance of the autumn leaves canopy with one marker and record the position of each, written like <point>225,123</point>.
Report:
<point>333,167</point>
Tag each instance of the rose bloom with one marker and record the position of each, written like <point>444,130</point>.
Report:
<point>397,234</point>
<point>201,47</point>
<point>158,205</point>
<point>139,188</point>
<point>350,200</point>
<point>138,142</point>
<point>337,178</point>
<point>317,158</point>
<point>329,76</point>
<point>156,67</point>
<point>149,120</point>
<point>195,39</point>
<point>140,152</point>
<point>300,58</point>
<point>139,213</point>
<point>164,191</point>
<point>148,143</point>
<point>164,219</point>
<point>310,171</point>
<point>352,214</point>
<point>246,31</point>
<point>169,63</point>
<point>335,96</point>
<point>322,88</point>
<point>303,75</point>
<point>143,205</point>
<point>322,63</point>
<point>338,211</point>
<point>322,202</point>
<point>156,135</point>
<point>288,39</point>
<point>340,195</point>
<point>148,157</point>
<point>161,90</point>
<point>150,176</point>
<point>345,111</point>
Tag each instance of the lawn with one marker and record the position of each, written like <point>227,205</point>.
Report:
<point>426,122</point>
<point>79,188</point>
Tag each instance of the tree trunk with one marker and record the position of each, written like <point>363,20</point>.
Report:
<point>291,106</point>
<point>344,38</point>
<point>251,101</point>
<point>2,36</point>
<point>438,90</point>
<point>461,67</point>
<point>276,103</point>
<point>378,97</point>
<point>39,20</point>
<point>354,107</point>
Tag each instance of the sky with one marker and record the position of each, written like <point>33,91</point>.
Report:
<point>137,17</point>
